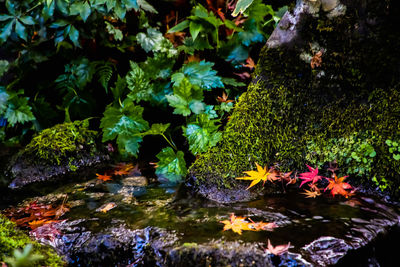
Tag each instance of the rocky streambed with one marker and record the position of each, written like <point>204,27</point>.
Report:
<point>129,221</point>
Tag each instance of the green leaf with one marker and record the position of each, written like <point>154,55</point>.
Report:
<point>396,156</point>
<point>4,17</point>
<point>179,27</point>
<point>6,30</point>
<point>171,165</point>
<point>3,100</point>
<point>157,129</point>
<point>202,134</point>
<point>119,88</point>
<point>74,36</point>
<point>125,124</point>
<point>18,110</point>
<point>146,6</point>
<point>81,8</point>
<point>21,30</point>
<point>202,74</point>
<point>116,33</point>
<point>241,7</point>
<point>372,154</point>
<point>4,65</point>
<point>232,82</point>
<point>195,29</point>
<point>138,84</point>
<point>183,98</point>
<point>27,20</point>
<point>388,142</point>
<point>250,34</point>
<point>149,40</point>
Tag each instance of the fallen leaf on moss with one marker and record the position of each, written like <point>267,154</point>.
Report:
<point>256,176</point>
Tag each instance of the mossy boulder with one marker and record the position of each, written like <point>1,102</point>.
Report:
<point>326,88</point>
<point>11,238</point>
<point>55,152</point>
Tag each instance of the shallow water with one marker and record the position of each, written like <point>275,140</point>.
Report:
<point>300,220</point>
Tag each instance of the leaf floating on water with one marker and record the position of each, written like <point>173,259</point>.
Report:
<point>103,177</point>
<point>236,224</point>
<point>277,250</point>
<point>106,207</point>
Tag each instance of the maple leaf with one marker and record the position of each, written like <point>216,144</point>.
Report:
<point>249,63</point>
<point>237,224</point>
<point>61,210</point>
<point>277,250</point>
<point>257,226</point>
<point>37,223</point>
<point>311,176</point>
<point>338,186</point>
<point>224,98</point>
<point>103,177</point>
<point>256,176</point>
<point>120,172</point>
<point>106,207</point>
<point>316,60</point>
<point>311,194</point>
<point>47,231</point>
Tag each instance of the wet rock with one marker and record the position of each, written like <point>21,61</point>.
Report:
<point>326,250</point>
<point>135,181</point>
<point>26,172</point>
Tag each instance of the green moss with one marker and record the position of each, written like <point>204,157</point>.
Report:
<point>292,114</point>
<point>12,238</point>
<point>62,142</point>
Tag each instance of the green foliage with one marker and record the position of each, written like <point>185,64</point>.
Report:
<point>394,148</point>
<point>125,124</point>
<point>62,141</point>
<point>73,60</point>
<point>171,165</point>
<point>241,6</point>
<point>34,254</point>
<point>202,134</point>
<point>200,74</point>
<point>186,98</point>
<point>14,107</point>
<point>355,153</point>
<point>23,258</point>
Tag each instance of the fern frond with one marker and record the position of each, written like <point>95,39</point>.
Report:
<point>104,72</point>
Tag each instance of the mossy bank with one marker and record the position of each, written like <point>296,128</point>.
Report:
<point>55,152</point>
<point>330,93</point>
<point>11,238</point>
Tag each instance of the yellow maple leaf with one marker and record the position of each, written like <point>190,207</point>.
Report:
<point>237,224</point>
<point>257,176</point>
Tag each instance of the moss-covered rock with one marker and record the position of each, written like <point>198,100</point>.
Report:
<point>325,88</point>
<point>56,151</point>
<point>11,238</point>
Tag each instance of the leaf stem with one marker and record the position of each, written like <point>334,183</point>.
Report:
<point>169,142</point>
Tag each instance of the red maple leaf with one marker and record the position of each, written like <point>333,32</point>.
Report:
<point>338,186</point>
<point>311,176</point>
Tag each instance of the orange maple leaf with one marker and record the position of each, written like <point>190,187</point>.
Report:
<point>311,194</point>
<point>237,224</point>
<point>224,98</point>
<point>316,60</point>
<point>258,226</point>
<point>257,176</point>
<point>249,63</point>
<point>120,172</point>
<point>338,186</point>
<point>277,250</point>
<point>103,177</point>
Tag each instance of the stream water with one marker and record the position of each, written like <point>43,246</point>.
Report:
<point>321,230</point>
